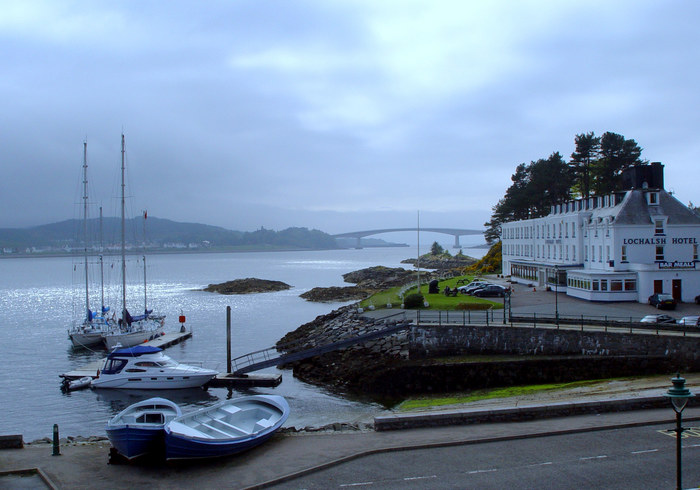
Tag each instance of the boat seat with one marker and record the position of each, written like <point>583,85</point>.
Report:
<point>230,426</point>
<point>263,424</point>
<point>214,429</point>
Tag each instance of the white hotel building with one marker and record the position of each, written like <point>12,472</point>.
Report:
<point>620,247</point>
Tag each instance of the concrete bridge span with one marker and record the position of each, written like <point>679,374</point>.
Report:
<point>456,232</point>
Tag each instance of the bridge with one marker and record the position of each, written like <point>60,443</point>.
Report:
<point>456,232</point>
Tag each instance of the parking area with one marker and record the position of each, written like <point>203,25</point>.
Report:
<point>529,300</point>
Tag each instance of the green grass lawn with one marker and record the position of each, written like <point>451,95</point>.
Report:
<point>436,301</point>
<point>417,403</point>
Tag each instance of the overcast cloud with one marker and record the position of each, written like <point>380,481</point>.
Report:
<point>337,115</point>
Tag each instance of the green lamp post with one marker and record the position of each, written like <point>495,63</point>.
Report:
<point>679,396</point>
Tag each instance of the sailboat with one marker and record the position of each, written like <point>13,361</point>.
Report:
<point>132,330</point>
<point>89,332</point>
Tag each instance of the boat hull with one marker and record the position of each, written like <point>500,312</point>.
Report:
<point>169,382</point>
<point>137,442</point>
<point>226,428</point>
<point>86,339</point>
<point>138,430</point>
<point>129,339</point>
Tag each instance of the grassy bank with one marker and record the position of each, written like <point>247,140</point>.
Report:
<point>436,301</point>
<point>512,391</point>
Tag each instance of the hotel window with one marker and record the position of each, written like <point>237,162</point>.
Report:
<point>585,253</point>
<point>695,251</point>
<point>600,253</point>
<point>658,227</point>
<point>659,252</point>
<point>573,253</point>
<point>592,253</point>
<point>630,284</point>
<point>603,284</point>
<point>623,257</point>
<point>607,252</point>
<point>616,285</point>
<point>607,229</point>
<point>653,198</point>
<point>573,230</point>
<point>566,230</point>
<point>595,285</point>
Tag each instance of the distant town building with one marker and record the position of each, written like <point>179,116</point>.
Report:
<point>620,247</point>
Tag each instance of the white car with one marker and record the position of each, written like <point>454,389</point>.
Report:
<point>690,320</point>
<point>472,285</point>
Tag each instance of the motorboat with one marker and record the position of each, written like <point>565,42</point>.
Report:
<point>226,428</point>
<point>138,430</point>
<point>145,367</point>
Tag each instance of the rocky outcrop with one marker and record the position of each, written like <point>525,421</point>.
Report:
<point>334,293</point>
<point>247,286</point>
<point>352,368</point>
<point>442,261</point>
<point>379,277</point>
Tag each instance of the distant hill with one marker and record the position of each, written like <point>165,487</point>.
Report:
<point>67,237</point>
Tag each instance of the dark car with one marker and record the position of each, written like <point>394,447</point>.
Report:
<point>658,319</point>
<point>490,290</point>
<point>697,299</point>
<point>662,301</point>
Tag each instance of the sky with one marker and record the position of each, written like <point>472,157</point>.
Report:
<point>338,115</point>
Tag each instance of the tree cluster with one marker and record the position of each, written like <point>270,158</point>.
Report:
<point>595,168</point>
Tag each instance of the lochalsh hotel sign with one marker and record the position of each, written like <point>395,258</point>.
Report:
<point>659,241</point>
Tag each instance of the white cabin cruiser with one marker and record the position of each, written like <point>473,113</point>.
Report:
<point>146,367</point>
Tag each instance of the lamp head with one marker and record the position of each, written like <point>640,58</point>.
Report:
<point>678,393</point>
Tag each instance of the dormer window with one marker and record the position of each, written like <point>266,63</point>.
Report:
<point>658,227</point>
<point>653,197</point>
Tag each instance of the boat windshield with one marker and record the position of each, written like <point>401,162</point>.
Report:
<point>165,361</point>
<point>113,366</point>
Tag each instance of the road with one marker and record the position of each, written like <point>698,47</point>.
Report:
<point>639,457</point>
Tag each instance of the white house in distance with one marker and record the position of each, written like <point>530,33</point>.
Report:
<point>621,247</point>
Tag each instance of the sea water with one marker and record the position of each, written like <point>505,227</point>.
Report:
<point>41,297</point>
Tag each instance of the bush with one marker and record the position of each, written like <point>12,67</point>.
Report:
<point>413,300</point>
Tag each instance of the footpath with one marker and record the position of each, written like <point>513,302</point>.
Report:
<point>607,406</point>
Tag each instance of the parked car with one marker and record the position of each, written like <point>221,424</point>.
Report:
<point>491,290</point>
<point>658,319</point>
<point>662,301</point>
<point>697,299</point>
<point>690,321</point>
<point>472,286</point>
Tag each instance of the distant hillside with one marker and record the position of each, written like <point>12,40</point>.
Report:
<point>67,236</point>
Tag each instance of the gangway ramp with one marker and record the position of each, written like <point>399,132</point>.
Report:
<point>269,357</point>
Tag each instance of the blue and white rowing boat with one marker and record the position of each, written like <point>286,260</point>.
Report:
<point>226,428</point>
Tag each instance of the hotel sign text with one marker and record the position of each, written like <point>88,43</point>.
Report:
<point>658,241</point>
<point>677,264</point>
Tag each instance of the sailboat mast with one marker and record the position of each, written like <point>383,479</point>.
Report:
<point>85,230</point>
<point>145,292</point>
<point>102,270</point>
<point>123,236</point>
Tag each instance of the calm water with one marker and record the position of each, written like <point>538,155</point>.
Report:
<point>39,298</point>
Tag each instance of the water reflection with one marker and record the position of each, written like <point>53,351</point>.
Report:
<point>116,400</point>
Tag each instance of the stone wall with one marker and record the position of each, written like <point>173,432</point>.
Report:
<point>407,362</point>
<point>431,341</point>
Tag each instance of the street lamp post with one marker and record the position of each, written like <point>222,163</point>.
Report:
<point>556,294</point>
<point>679,396</point>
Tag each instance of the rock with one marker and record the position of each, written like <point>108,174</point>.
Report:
<point>380,277</point>
<point>246,286</point>
<point>335,293</point>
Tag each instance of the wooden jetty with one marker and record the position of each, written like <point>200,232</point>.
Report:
<point>232,380</point>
